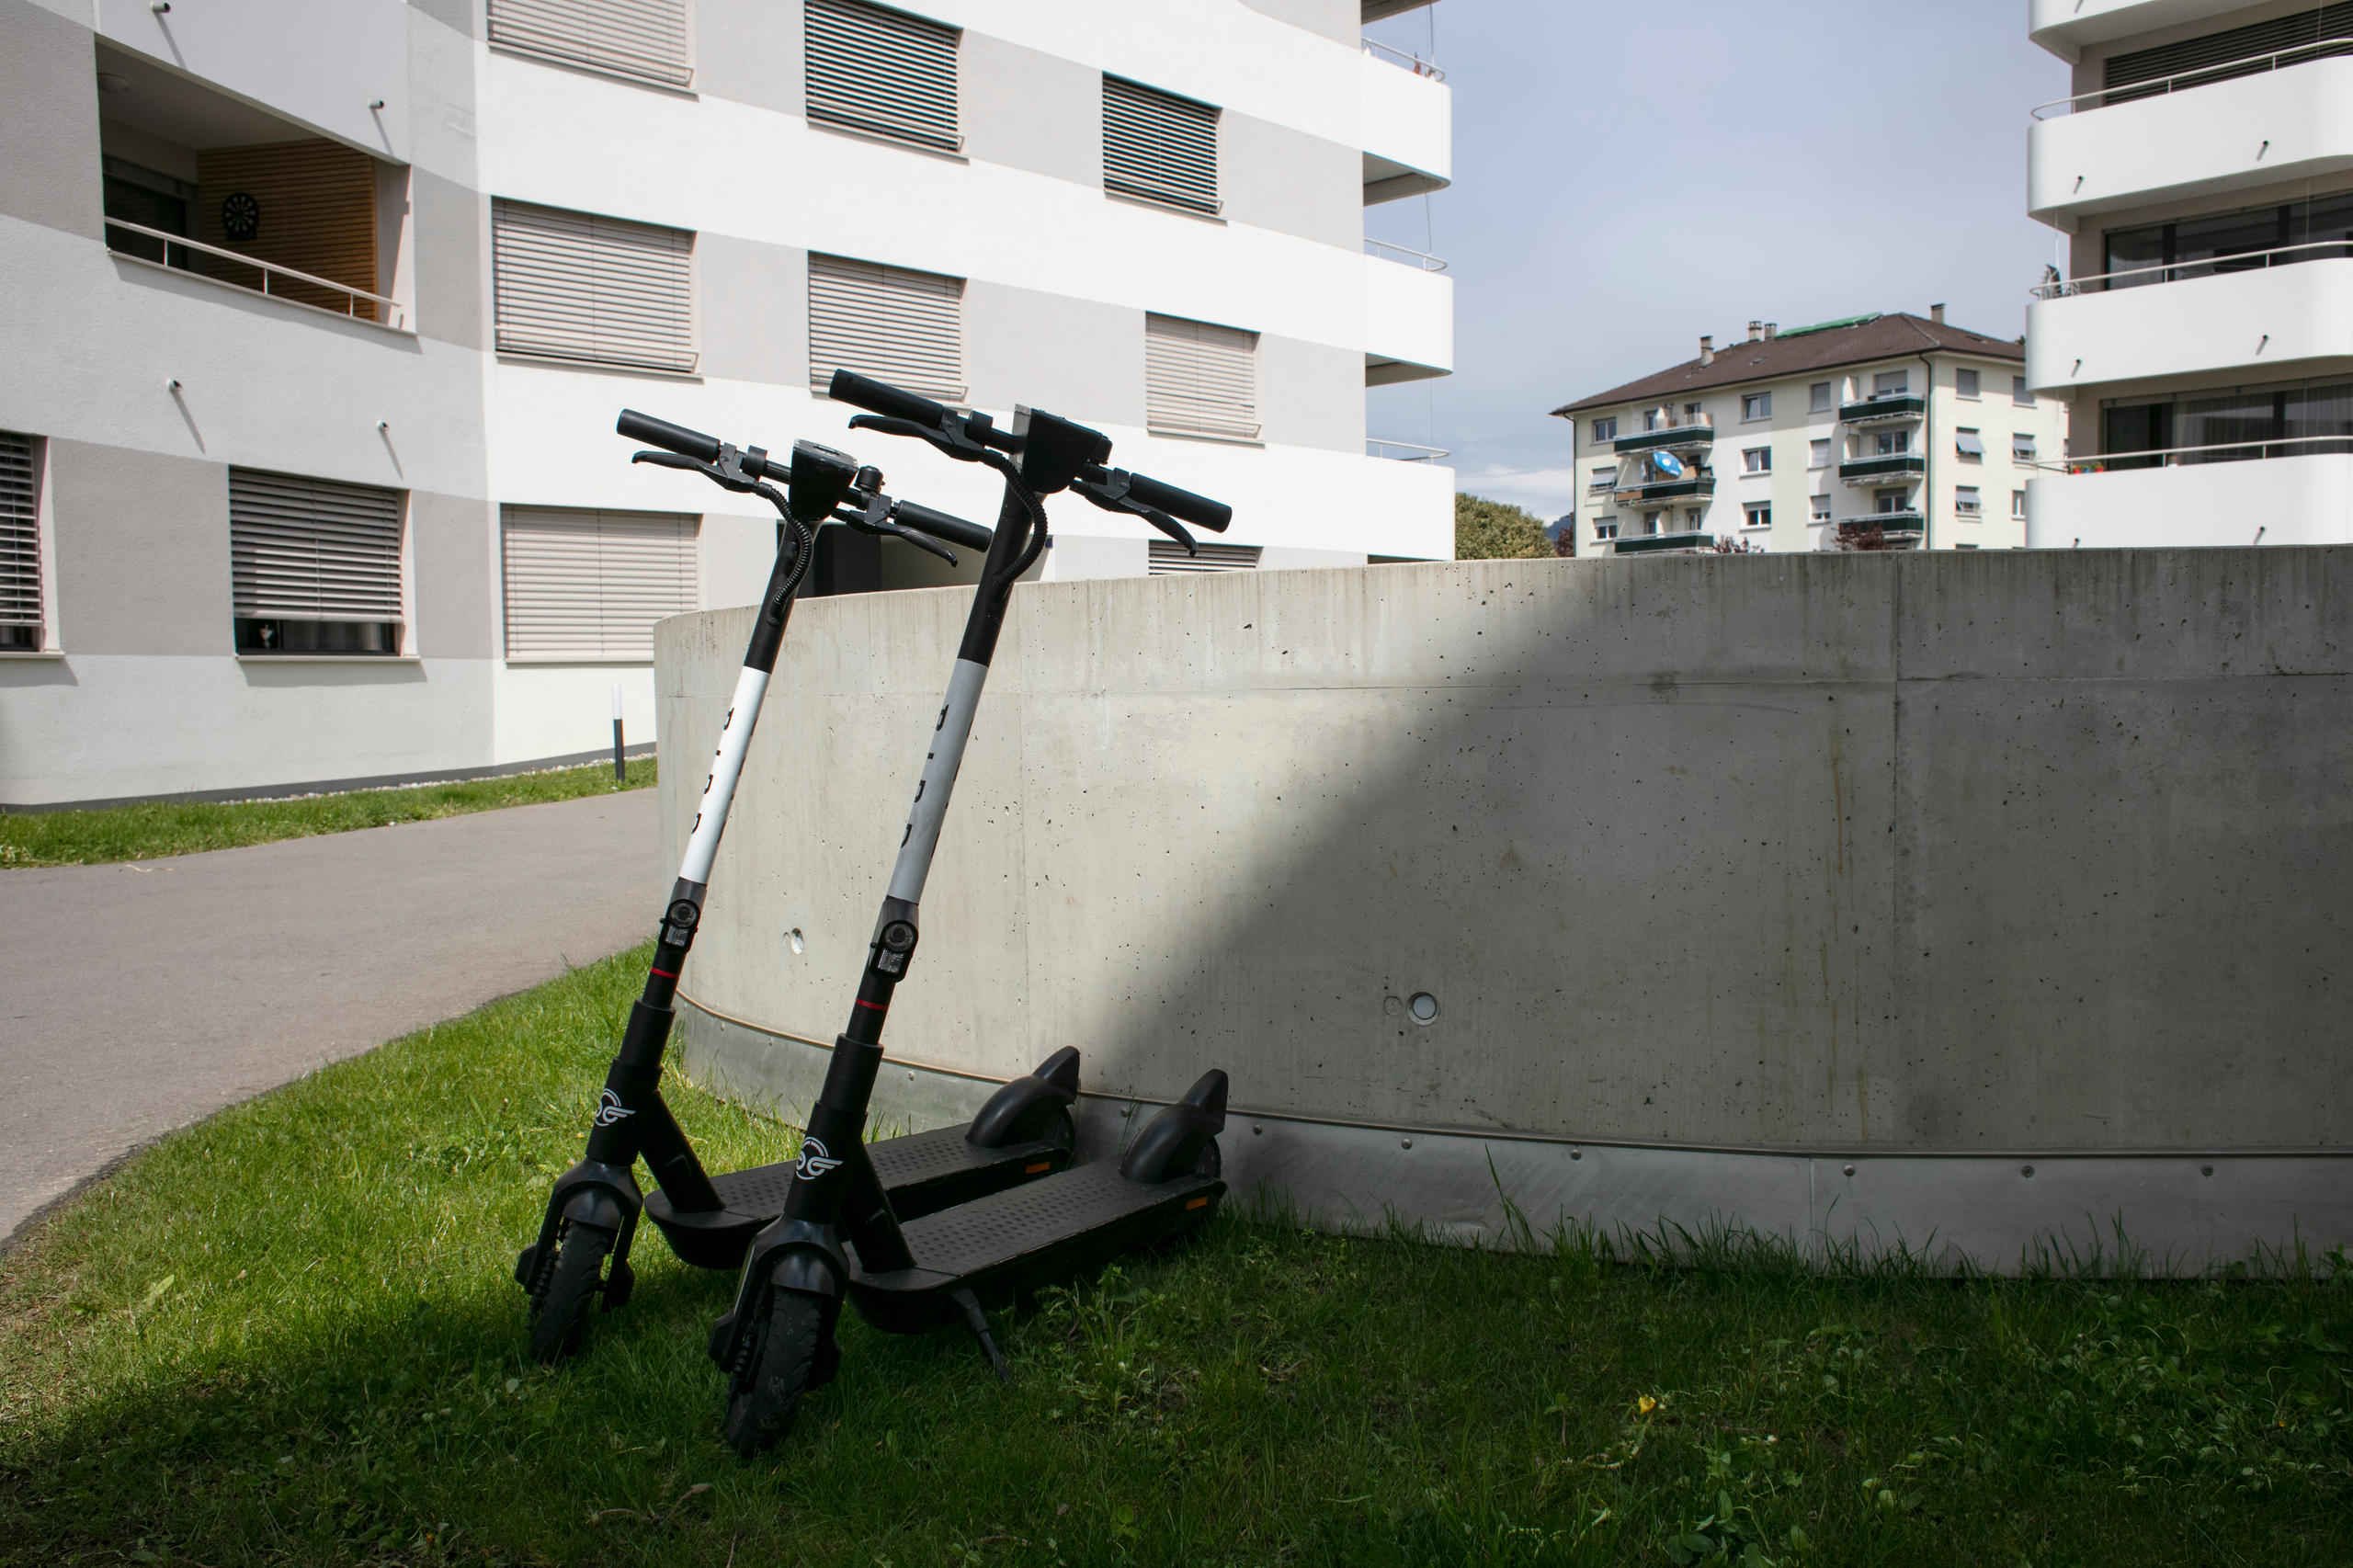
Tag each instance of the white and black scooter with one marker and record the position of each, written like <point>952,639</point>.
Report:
<point>843,1235</point>
<point>582,1253</point>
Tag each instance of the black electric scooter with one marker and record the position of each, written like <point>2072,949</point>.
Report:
<point>843,1233</point>
<point>1024,1132</point>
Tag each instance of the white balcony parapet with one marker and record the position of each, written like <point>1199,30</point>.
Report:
<point>393,313</point>
<point>1408,323</point>
<point>2287,500</point>
<point>2262,449</point>
<point>1410,62</point>
<point>1405,452</point>
<point>1407,133</point>
<point>2064,26</point>
<point>2205,75</point>
<point>1421,259</point>
<point>2263,321</point>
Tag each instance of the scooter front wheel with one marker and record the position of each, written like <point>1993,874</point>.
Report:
<point>573,1286</point>
<point>765,1396</point>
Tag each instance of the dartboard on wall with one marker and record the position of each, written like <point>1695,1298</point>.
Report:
<point>240,216</point>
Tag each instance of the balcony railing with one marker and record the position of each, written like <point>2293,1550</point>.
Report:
<point>1692,486</point>
<point>2247,65</point>
<point>279,282</point>
<point>1413,62</point>
<point>1645,544</point>
<point>1387,252</point>
<point>2220,452</point>
<point>1885,410</point>
<point>1892,469</point>
<point>2207,267</point>
<point>1702,434</point>
<point>1907,520</point>
<point>1403,452</point>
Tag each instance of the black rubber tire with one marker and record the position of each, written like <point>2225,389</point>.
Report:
<point>574,1284</point>
<point>765,1396</point>
<point>1062,1131</point>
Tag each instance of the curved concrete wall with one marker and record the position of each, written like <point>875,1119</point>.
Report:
<point>1969,902</point>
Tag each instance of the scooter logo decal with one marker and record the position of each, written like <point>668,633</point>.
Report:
<point>609,1109</point>
<point>813,1161</point>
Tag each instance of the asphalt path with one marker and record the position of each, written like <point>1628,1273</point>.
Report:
<point>140,997</point>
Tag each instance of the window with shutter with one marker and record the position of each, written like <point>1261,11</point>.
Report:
<point>589,586</point>
<point>1159,146</point>
<point>20,601</point>
<point>881,72</point>
<point>1199,379</point>
<point>315,564</point>
<point>899,327</point>
<point>643,38</point>
<point>580,286</point>
<point>2240,52</point>
<point>1169,558</point>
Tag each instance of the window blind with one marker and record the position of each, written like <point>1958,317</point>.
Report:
<point>586,584</point>
<point>2223,48</point>
<point>312,548</point>
<point>904,327</point>
<point>1169,558</point>
<point>645,38</point>
<point>1199,379</point>
<point>577,286</point>
<point>20,611</point>
<point>882,71</point>
<point>1159,146</point>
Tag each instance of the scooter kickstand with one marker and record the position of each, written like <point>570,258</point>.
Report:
<point>979,1322</point>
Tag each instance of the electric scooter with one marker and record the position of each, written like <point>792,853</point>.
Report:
<point>842,1235</point>
<point>591,1216</point>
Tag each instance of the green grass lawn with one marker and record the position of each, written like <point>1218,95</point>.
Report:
<point>290,1336</point>
<point>148,831</point>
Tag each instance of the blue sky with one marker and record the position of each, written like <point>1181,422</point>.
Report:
<point>1627,177</point>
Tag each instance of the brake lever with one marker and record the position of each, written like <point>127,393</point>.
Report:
<point>867,522</point>
<point>693,465</point>
<point>1111,495</point>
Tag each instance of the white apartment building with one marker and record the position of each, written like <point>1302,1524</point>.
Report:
<point>318,318</point>
<point>1885,431</point>
<point>2201,173</point>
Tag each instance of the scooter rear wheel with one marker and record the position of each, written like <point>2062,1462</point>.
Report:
<point>573,1286</point>
<point>765,1395</point>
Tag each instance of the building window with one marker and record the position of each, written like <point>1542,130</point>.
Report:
<point>22,617</point>
<point>580,286</point>
<point>1606,530</point>
<point>1964,501</point>
<point>1759,514</point>
<point>1650,522</point>
<point>881,72</point>
<point>1817,398</point>
<point>899,327</point>
<point>1970,445</point>
<point>1886,501</point>
<point>1757,460</point>
<point>1891,443</point>
<point>1818,509</point>
<point>1964,383</point>
<point>1605,478</point>
<point>1166,558</point>
<point>1690,414</point>
<point>1652,419</point>
<point>1756,405</point>
<point>2022,447</point>
<point>1818,453</point>
<point>1198,379</point>
<point>315,564</point>
<point>1159,147</point>
<point>2018,505</point>
<point>1605,430</point>
<point>2018,394</point>
<point>1693,517</point>
<point>587,586</point>
<point>643,38</point>
<point>1891,383</point>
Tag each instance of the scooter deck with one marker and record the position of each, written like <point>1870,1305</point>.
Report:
<point>1042,1233</point>
<point>922,1172</point>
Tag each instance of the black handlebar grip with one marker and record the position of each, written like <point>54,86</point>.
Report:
<point>881,397</point>
<point>939,524</point>
<point>1198,510</point>
<point>670,438</point>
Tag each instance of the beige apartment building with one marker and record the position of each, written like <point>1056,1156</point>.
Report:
<point>1882,430</point>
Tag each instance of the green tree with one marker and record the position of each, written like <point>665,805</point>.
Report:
<point>1496,530</point>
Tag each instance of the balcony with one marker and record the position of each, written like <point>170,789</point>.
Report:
<point>1899,408</point>
<point>1897,468</point>
<point>1408,323</point>
<point>2284,500</point>
<point>1903,521</point>
<point>2268,319</point>
<point>340,70</point>
<point>1661,544</point>
<point>1408,125</point>
<point>2064,26</point>
<point>1659,492</point>
<point>1680,439</point>
<point>2195,137</point>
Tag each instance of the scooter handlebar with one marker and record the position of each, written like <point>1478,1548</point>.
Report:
<point>881,397</point>
<point>939,524</point>
<point>668,436</point>
<point>1198,510</point>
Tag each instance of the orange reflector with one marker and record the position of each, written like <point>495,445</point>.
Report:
<point>1041,1165</point>
<point>1195,1202</point>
